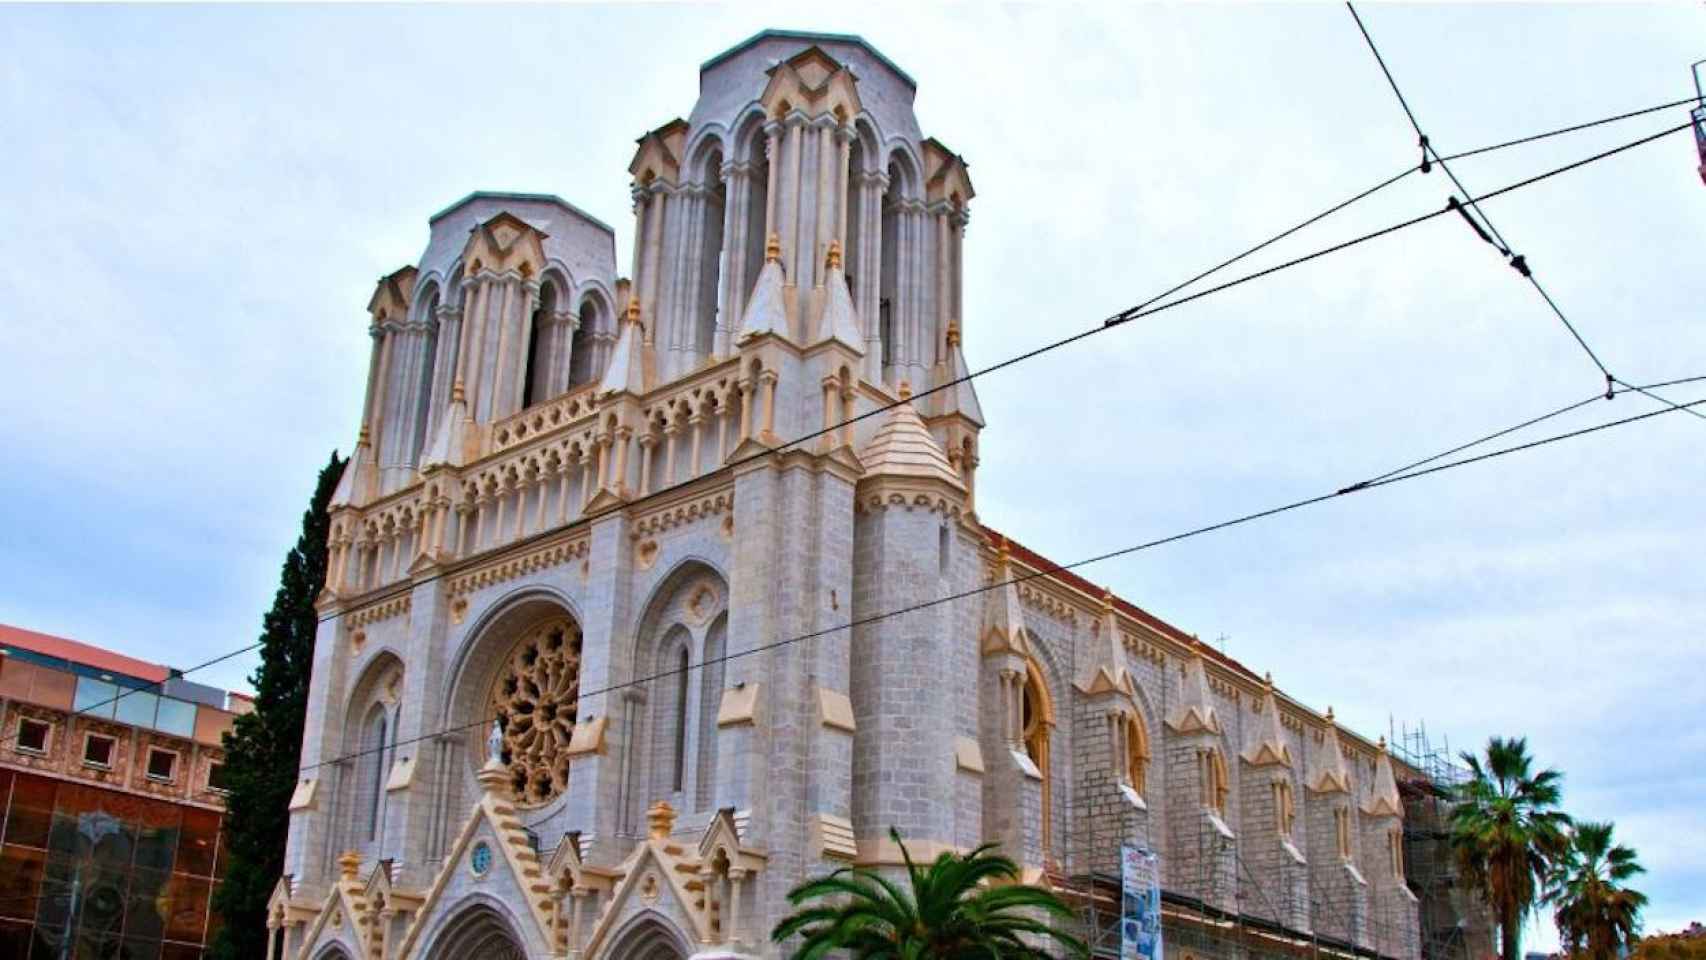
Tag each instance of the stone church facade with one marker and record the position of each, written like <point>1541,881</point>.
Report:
<point>576,505</point>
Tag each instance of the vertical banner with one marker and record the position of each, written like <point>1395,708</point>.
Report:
<point>1140,904</point>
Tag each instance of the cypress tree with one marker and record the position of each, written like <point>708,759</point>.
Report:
<point>263,750</point>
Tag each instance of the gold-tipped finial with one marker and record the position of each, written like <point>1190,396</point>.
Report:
<point>953,334</point>
<point>661,818</point>
<point>1003,552</point>
<point>1329,714</point>
<point>833,261</point>
<point>1107,600</point>
<point>773,249</point>
<point>1383,743</point>
<point>633,309</point>
<point>364,438</point>
<point>1268,679</point>
<point>458,392</point>
<point>349,864</point>
<point>905,390</point>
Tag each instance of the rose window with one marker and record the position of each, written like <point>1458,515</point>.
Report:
<point>535,698</point>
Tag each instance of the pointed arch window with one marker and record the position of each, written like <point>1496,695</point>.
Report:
<point>711,263</point>
<point>1342,831</point>
<point>582,369</point>
<point>1036,722</point>
<point>681,664</point>
<point>375,743</point>
<point>423,386</point>
<point>536,366</point>
<point>1285,809</point>
<point>1211,765</point>
<point>1136,754</point>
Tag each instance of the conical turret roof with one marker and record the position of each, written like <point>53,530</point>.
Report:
<point>903,447</point>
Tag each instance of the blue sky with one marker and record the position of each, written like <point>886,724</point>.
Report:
<point>197,202</point>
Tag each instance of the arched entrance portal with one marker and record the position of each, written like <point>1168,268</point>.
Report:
<point>480,932</point>
<point>648,938</point>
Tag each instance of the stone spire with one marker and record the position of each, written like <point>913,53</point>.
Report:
<point>1330,774</point>
<point>961,398</point>
<point>1267,745</point>
<point>840,321</point>
<point>767,308</point>
<point>1106,670</point>
<point>627,370</point>
<point>356,484</point>
<point>1195,712</point>
<point>903,447</point>
<point>1384,801</point>
<point>447,446</point>
<point>1003,615</point>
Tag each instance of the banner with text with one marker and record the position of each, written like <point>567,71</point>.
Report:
<point>1140,904</point>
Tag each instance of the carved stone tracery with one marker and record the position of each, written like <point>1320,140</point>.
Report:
<point>536,697</point>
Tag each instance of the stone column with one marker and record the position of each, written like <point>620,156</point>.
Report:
<point>792,195</point>
<point>844,139</point>
<point>773,176</point>
<point>827,222</point>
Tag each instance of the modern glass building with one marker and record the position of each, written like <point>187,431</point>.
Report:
<point>111,803</point>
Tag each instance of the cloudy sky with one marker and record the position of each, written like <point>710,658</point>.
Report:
<point>196,203</point>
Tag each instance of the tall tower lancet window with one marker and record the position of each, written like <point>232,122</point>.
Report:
<point>375,743</point>
<point>757,202</point>
<point>712,267</point>
<point>423,392</point>
<point>581,367</point>
<point>853,215</point>
<point>536,374</point>
<point>888,290</point>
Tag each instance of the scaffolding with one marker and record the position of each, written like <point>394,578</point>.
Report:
<point>1226,899</point>
<point>1454,925</point>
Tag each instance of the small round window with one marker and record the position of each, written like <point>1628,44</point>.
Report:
<point>480,860</point>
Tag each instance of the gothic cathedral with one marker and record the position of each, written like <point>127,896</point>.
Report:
<point>612,653</point>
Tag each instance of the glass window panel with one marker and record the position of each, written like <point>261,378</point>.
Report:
<point>157,835</point>
<point>222,853</point>
<point>58,891</point>
<point>135,949</point>
<point>150,903</point>
<point>34,736</point>
<point>214,920</point>
<point>196,843</point>
<point>21,871</point>
<point>31,816</point>
<point>15,938</point>
<point>94,697</point>
<point>176,717</point>
<point>101,901</point>
<point>137,708</point>
<point>49,943</point>
<point>188,918</point>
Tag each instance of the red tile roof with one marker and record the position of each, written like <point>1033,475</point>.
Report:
<point>1038,562</point>
<point>83,653</point>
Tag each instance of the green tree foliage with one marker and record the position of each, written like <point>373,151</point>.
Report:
<point>1671,946</point>
<point>961,906</point>
<point>1507,833</point>
<point>1597,915</point>
<point>263,750</point>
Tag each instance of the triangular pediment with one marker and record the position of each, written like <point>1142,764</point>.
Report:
<point>493,822</point>
<point>657,155</point>
<point>1384,800</point>
<point>656,869</point>
<point>505,244</point>
<point>343,918</point>
<point>391,297</point>
<point>946,176</point>
<point>814,83</point>
<point>1195,712</point>
<point>1330,775</point>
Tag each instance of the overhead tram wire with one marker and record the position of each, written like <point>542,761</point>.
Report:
<point>1516,260</point>
<point>1144,309</point>
<point>1507,431</point>
<point>1051,570</point>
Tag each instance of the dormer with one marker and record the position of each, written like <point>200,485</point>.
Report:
<point>505,244</point>
<point>814,83</point>
<point>658,156</point>
<point>946,178</point>
<point>391,298</point>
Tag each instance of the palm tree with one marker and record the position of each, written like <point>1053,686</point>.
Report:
<point>960,907</point>
<point>1595,912</point>
<point>1507,832</point>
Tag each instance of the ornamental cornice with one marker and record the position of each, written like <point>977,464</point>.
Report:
<point>1042,600</point>
<point>1225,688</point>
<point>1138,646</point>
<point>381,610</point>
<point>885,492</point>
<point>498,570</point>
<point>683,514</point>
